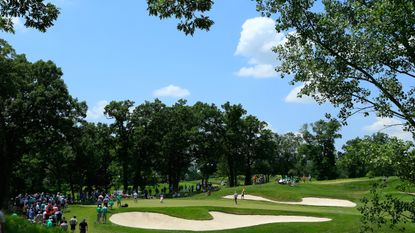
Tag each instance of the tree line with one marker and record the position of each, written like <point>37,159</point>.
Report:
<point>47,145</point>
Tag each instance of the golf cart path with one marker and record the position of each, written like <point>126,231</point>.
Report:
<point>313,201</point>
<point>220,221</point>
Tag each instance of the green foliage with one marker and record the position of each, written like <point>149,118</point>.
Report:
<point>376,155</point>
<point>36,14</point>
<point>190,13</point>
<point>319,148</point>
<point>31,124</point>
<point>381,209</point>
<point>16,224</point>
<point>354,54</point>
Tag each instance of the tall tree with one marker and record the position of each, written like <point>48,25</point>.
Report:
<point>207,140</point>
<point>319,147</point>
<point>120,112</point>
<point>149,125</point>
<point>286,154</point>
<point>176,143</point>
<point>36,110</point>
<point>233,121</point>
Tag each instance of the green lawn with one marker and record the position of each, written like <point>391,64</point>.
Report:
<point>197,207</point>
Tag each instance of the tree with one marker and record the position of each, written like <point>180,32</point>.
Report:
<point>354,158</point>
<point>149,125</point>
<point>319,147</point>
<point>36,14</point>
<point>233,121</point>
<point>175,156</point>
<point>252,132</point>
<point>120,112</point>
<point>357,55</point>
<point>354,54</point>
<point>376,155</point>
<point>286,154</point>
<point>207,143</point>
<point>36,110</point>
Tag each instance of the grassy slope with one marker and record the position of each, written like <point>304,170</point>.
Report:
<point>344,219</point>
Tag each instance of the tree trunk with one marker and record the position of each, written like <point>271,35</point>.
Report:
<point>124,177</point>
<point>231,172</point>
<point>248,173</point>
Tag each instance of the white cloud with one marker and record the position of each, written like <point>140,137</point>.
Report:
<point>97,111</point>
<point>389,126</point>
<point>257,71</point>
<point>293,97</point>
<point>258,37</point>
<point>171,91</point>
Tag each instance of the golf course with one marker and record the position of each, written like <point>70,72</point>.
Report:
<point>198,207</point>
<point>263,116</point>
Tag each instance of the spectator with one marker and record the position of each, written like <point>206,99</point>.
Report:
<point>99,214</point>
<point>104,214</point>
<point>73,223</point>
<point>83,226</point>
<point>64,224</point>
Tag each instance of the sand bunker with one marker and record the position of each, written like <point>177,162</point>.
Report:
<point>315,201</point>
<point>220,221</point>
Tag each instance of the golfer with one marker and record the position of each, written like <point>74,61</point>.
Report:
<point>235,198</point>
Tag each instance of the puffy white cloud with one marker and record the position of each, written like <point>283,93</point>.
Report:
<point>171,91</point>
<point>390,126</point>
<point>97,111</point>
<point>257,71</point>
<point>258,37</point>
<point>293,97</point>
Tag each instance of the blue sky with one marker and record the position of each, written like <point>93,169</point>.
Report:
<point>113,50</point>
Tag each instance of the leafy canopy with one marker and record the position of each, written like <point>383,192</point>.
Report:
<point>36,14</point>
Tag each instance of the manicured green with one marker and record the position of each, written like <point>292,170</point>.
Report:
<point>344,220</point>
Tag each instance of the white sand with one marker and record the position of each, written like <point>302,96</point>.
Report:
<point>315,201</point>
<point>220,221</point>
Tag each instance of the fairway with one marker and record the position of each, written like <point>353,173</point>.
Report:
<point>200,209</point>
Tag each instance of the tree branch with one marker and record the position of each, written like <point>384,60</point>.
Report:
<point>407,116</point>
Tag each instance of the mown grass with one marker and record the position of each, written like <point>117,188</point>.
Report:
<point>344,220</point>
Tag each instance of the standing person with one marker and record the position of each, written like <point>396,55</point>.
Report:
<point>73,223</point>
<point>111,203</point>
<point>99,214</point>
<point>235,197</point>
<point>119,199</point>
<point>104,214</point>
<point>2,222</point>
<point>161,198</point>
<point>83,226</point>
<point>106,200</point>
<point>64,224</point>
<point>135,195</point>
<point>243,194</point>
